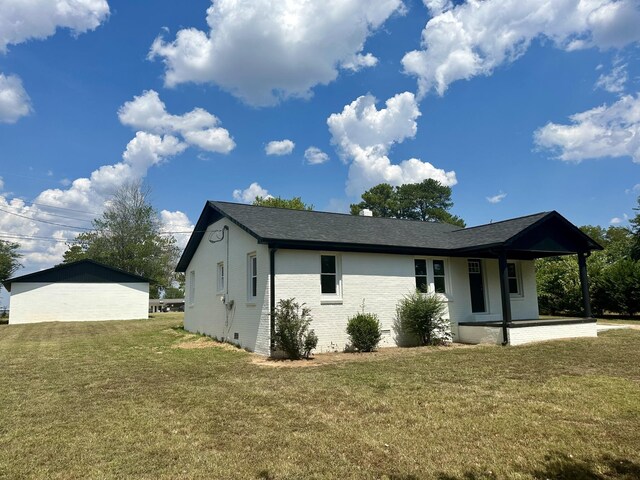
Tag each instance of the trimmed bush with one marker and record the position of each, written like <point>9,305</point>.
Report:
<point>420,315</point>
<point>364,331</point>
<point>292,334</point>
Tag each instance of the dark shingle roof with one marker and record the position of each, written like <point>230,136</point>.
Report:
<point>269,223</point>
<point>284,228</point>
<point>82,271</point>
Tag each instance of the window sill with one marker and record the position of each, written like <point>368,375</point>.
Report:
<point>251,303</point>
<point>443,296</point>
<point>516,296</point>
<point>331,301</point>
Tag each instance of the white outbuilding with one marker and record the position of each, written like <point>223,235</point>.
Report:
<point>80,291</point>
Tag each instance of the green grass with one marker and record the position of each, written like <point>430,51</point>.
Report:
<point>115,400</point>
<point>619,321</point>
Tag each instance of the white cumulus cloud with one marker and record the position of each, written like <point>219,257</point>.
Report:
<point>475,37</point>
<point>364,135</point>
<point>197,127</point>
<point>249,194</point>
<point>605,131</point>
<point>496,198</point>
<point>279,147</point>
<point>178,224</point>
<point>14,100</point>
<point>619,220</point>
<point>315,156</point>
<point>22,20</point>
<point>263,51</point>
<point>614,81</point>
<point>159,137</point>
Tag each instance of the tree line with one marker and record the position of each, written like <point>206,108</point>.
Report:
<point>614,274</point>
<point>128,235</point>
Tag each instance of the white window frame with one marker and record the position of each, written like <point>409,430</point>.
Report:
<point>331,297</point>
<point>251,297</point>
<point>220,277</point>
<point>518,278</point>
<point>431,284</point>
<point>192,288</point>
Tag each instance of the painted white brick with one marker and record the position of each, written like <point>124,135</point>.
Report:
<point>518,336</point>
<point>377,280</point>
<point>208,315</point>
<point>72,302</point>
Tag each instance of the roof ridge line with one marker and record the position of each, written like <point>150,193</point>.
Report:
<point>332,213</point>
<point>502,221</point>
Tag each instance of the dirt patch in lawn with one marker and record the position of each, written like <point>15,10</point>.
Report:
<point>329,358</point>
<point>197,342</point>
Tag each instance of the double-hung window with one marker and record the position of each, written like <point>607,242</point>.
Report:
<point>422,283</point>
<point>220,278</point>
<point>192,287</point>
<point>252,277</point>
<point>330,275</point>
<point>430,275</point>
<point>514,279</point>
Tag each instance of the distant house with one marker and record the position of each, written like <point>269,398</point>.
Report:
<point>242,259</point>
<point>79,291</point>
<point>166,305</point>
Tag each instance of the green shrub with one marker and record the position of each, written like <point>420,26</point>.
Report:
<point>292,334</point>
<point>364,331</point>
<point>310,342</point>
<point>420,315</point>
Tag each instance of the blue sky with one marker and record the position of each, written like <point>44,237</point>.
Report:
<point>486,101</point>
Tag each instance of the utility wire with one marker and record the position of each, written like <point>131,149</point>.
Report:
<point>44,221</point>
<point>42,212</point>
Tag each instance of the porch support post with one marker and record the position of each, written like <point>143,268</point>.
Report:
<point>584,283</point>
<point>504,293</point>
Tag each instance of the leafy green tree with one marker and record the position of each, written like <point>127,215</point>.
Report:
<point>9,259</point>
<point>382,200</point>
<point>558,283</point>
<point>173,292</point>
<point>294,203</point>
<point>635,229</point>
<point>558,278</point>
<point>618,287</point>
<point>128,236</point>
<point>428,201</point>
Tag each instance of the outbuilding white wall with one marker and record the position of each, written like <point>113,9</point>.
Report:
<point>73,302</point>
<point>378,281</point>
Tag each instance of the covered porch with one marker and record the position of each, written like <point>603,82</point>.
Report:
<point>552,235</point>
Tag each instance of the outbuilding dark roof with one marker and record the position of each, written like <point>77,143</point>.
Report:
<point>548,233</point>
<point>82,271</point>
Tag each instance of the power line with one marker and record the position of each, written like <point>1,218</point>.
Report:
<point>33,237</point>
<point>58,215</point>
<point>62,208</point>
<point>45,221</point>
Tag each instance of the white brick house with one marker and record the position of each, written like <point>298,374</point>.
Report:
<point>80,291</point>
<point>242,259</point>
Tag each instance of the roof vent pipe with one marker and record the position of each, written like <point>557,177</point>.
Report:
<point>365,212</point>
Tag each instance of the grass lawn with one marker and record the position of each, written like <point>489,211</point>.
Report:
<point>118,400</point>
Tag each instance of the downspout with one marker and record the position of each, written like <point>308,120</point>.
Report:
<point>225,330</point>
<point>272,295</point>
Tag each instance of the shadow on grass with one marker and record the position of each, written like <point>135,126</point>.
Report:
<point>560,466</point>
